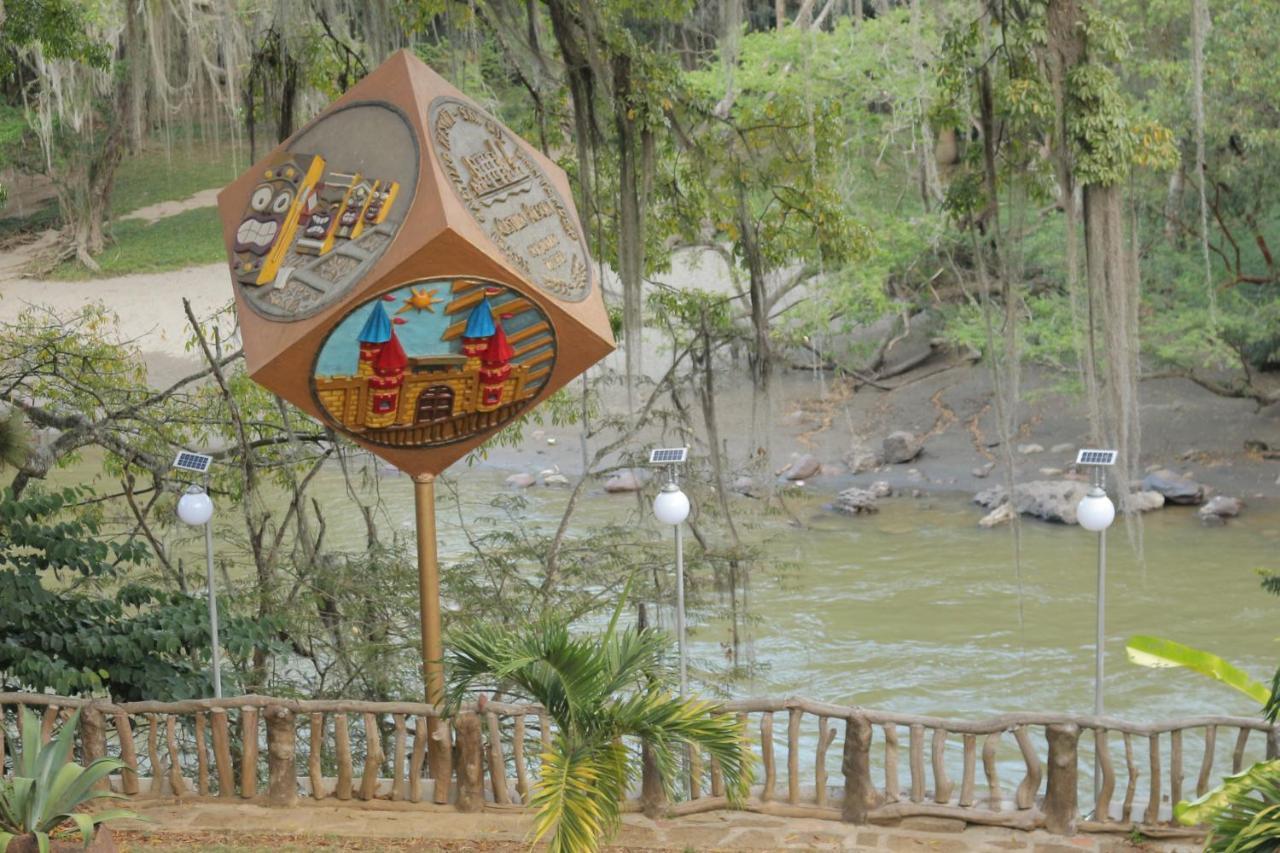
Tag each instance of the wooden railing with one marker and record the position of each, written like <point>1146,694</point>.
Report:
<point>275,750</point>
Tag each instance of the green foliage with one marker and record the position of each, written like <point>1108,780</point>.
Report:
<point>599,689</point>
<point>1243,813</point>
<point>57,27</point>
<point>73,621</point>
<point>46,789</point>
<point>1158,652</point>
<point>187,239</point>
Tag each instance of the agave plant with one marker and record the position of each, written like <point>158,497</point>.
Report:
<point>598,690</point>
<point>1243,813</point>
<point>47,787</point>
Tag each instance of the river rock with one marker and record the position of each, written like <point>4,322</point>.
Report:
<point>1175,488</point>
<point>1002,514</point>
<point>855,501</point>
<point>555,480</point>
<point>521,480</point>
<point>744,485</point>
<point>1028,449</point>
<point>626,480</point>
<point>1064,447</point>
<point>1145,501</point>
<point>801,467</point>
<point>881,489</point>
<point>1051,472</point>
<point>1218,509</point>
<point>862,458</point>
<point>902,446</point>
<point>835,469</point>
<point>1050,500</point>
<point>983,472</point>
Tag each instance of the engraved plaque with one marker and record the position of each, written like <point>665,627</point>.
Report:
<point>511,198</point>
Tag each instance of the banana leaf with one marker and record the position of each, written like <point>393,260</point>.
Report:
<point>1158,652</point>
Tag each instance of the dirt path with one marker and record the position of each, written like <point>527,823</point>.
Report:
<point>161,210</point>
<point>380,825</point>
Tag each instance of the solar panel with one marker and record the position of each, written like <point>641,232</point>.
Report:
<point>668,455</point>
<point>192,461</point>
<point>1096,457</point>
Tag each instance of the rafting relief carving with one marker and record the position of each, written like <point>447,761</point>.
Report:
<point>511,198</point>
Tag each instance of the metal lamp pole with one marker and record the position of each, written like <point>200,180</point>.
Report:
<point>196,508</point>
<point>1095,512</point>
<point>213,609</point>
<point>671,506</point>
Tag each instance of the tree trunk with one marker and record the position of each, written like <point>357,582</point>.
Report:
<point>762,361</point>
<point>288,98</point>
<point>631,223</point>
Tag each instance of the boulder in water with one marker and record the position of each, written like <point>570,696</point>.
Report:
<point>1064,447</point>
<point>1002,514</point>
<point>901,447</point>
<point>626,480</point>
<point>521,480</point>
<point>1050,500</point>
<point>1028,449</point>
<point>881,489</point>
<point>801,467</point>
<point>856,501</point>
<point>861,458</point>
<point>1144,501</point>
<point>1218,509</point>
<point>1175,488</point>
<point>555,480</point>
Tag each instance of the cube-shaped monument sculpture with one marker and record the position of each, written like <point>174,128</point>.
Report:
<point>410,272</point>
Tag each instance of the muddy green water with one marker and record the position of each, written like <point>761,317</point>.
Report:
<point>916,608</point>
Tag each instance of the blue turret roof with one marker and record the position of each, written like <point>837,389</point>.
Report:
<point>377,329</point>
<point>480,321</point>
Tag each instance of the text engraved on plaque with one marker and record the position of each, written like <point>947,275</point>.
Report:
<point>511,198</point>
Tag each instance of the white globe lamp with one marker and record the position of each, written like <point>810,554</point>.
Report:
<point>1095,512</point>
<point>195,507</point>
<point>671,506</point>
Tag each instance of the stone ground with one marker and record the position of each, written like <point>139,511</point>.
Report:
<point>206,825</point>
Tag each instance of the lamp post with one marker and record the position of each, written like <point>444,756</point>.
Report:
<point>196,508</point>
<point>1095,512</point>
<point>671,506</point>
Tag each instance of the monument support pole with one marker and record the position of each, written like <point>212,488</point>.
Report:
<point>439,743</point>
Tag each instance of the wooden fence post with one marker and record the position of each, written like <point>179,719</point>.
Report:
<point>248,752</point>
<point>858,793</point>
<point>220,729</point>
<point>282,770</point>
<point>93,735</point>
<point>1060,799</point>
<point>128,754</point>
<point>470,764</point>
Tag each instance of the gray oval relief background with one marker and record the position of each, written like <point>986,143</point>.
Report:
<point>333,203</point>
<point>511,198</point>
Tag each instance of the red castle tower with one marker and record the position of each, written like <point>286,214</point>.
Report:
<point>495,367</point>
<point>384,385</point>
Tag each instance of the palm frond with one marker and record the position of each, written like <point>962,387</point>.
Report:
<point>662,720</point>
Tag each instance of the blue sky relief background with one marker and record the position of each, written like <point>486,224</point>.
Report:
<point>419,336</point>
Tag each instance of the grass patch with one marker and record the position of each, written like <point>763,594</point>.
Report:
<point>190,238</point>
<point>155,175</point>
